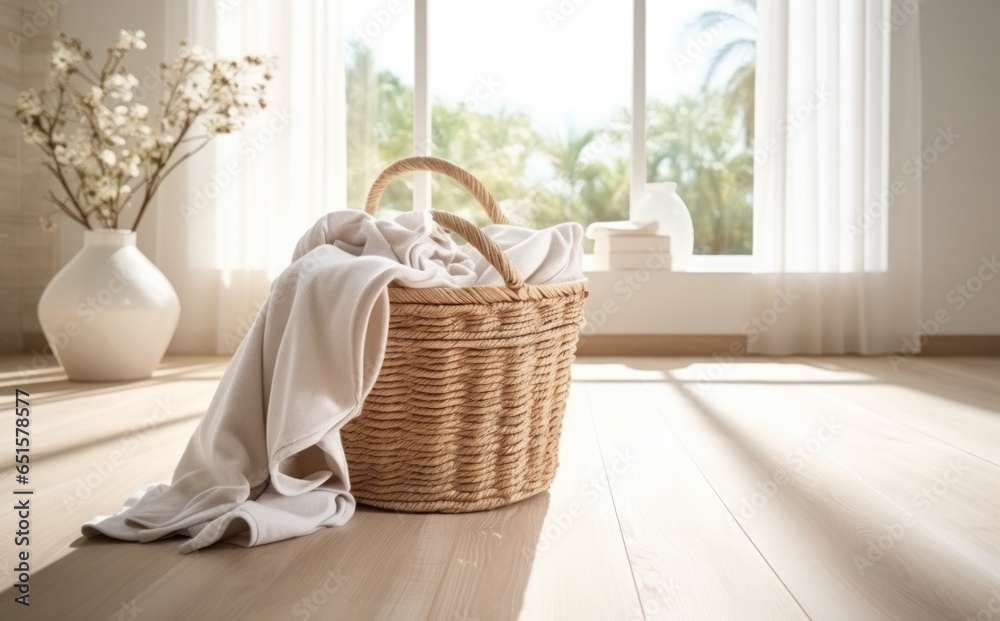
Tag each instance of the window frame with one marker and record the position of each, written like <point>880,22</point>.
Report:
<point>422,141</point>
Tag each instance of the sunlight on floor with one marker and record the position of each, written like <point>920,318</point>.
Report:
<point>723,370</point>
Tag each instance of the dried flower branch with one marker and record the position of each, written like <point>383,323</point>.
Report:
<point>101,145</point>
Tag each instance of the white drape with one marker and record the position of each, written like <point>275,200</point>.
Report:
<point>837,212</point>
<point>228,224</point>
<point>838,208</point>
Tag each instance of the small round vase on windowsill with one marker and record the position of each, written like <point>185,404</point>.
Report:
<point>109,313</point>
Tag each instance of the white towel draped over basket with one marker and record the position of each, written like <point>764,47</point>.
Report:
<point>266,462</point>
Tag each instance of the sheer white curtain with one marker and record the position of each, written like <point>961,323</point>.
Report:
<point>837,211</point>
<point>228,225</point>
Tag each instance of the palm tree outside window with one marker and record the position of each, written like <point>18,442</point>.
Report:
<point>545,122</point>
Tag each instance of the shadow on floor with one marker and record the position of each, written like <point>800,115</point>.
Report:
<point>835,514</point>
<point>48,387</point>
<point>920,374</point>
<point>381,564</point>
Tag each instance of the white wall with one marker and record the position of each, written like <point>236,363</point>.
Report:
<point>961,223</point>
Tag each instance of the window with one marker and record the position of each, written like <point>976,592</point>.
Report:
<point>379,42</point>
<point>533,105</point>
<point>699,115</point>
<point>536,99</point>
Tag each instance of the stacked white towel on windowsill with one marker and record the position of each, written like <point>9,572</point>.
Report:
<point>629,246</point>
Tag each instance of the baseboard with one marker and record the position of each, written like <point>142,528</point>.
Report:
<point>962,345</point>
<point>711,344</point>
<point>691,344</point>
<point>661,344</point>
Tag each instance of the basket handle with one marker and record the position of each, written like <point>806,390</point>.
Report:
<point>437,165</point>
<point>481,242</point>
<point>472,233</point>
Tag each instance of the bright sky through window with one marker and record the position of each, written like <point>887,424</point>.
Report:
<point>463,34</point>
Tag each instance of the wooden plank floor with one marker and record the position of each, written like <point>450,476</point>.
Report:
<point>770,488</point>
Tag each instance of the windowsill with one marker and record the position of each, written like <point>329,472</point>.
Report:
<point>699,264</point>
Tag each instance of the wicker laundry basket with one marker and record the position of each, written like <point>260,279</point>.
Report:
<point>466,413</point>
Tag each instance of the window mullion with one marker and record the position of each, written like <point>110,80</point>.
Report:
<point>421,106</point>
<point>637,186</point>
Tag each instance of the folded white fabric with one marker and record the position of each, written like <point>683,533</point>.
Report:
<point>266,461</point>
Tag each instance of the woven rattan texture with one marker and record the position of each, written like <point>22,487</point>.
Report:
<point>467,411</point>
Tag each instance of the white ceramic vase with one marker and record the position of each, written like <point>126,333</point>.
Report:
<point>662,204</point>
<point>109,313</point>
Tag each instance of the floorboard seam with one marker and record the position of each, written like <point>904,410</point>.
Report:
<point>680,440</point>
<point>614,504</point>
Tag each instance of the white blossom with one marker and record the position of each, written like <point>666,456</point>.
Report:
<point>29,103</point>
<point>47,223</point>
<point>98,139</point>
<point>127,41</point>
<point>120,86</point>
